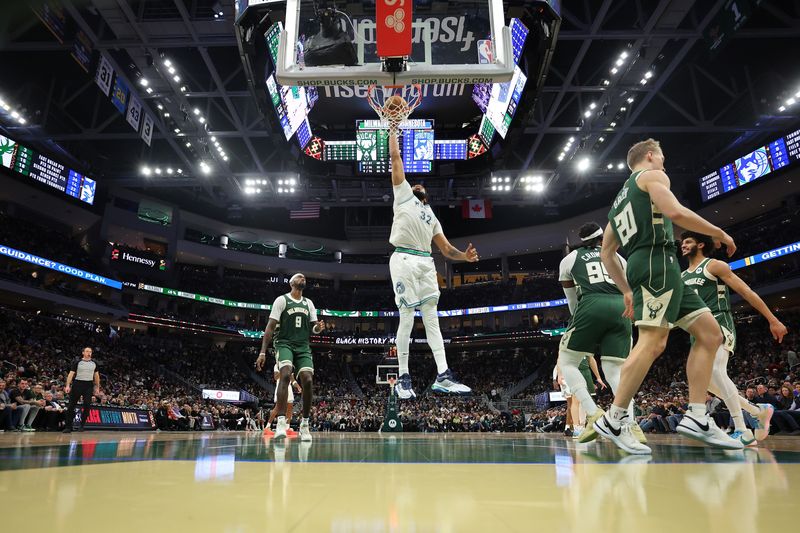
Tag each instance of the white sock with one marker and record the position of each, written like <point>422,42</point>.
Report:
<point>404,338</point>
<point>568,361</point>
<point>722,386</point>
<point>618,415</point>
<point>304,422</point>
<point>698,410</point>
<point>281,420</point>
<point>748,406</point>
<point>612,368</point>
<point>430,320</point>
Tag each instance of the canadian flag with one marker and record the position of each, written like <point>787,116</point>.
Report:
<point>476,208</point>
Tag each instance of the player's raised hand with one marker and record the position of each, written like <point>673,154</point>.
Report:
<point>727,240</point>
<point>628,313</point>
<point>471,253</point>
<point>778,330</point>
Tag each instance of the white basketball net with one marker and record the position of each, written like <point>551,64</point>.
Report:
<point>394,113</point>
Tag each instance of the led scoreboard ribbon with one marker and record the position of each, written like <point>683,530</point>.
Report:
<point>29,163</point>
<point>780,153</point>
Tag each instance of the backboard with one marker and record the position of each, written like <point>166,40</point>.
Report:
<point>327,43</point>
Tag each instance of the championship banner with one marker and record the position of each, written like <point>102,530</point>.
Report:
<point>134,116</point>
<point>82,50</point>
<point>104,75</point>
<point>147,129</point>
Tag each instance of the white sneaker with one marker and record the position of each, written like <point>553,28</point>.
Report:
<point>705,430</point>
<point>763,418</point>
<point>446,382</point>
<point>621,437</point>
<point>305,432</point>
<point>403,388</point>
<point>280,430</point>
<point>576,433</point>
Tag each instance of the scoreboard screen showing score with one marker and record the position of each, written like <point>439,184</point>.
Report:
<point>780,153</point>
<point>416,146</point>
<point>29,163</point>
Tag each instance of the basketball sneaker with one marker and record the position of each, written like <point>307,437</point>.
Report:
<point>268,432</point>
<point>305,432</point>
<point>446,382</point>
<point>280,430</point>
<point>637,432</point>
<point>589,434</point>
<point>403,388</point>
<point>621,436</point>
<point>746,437</point>
<point>576,433</point>
<point>290,433</point>
<point>762,420</point>
<point>705,430</point>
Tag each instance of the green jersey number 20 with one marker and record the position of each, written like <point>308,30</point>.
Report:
<point>625,224</point>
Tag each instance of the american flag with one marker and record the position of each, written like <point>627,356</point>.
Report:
<point>307,210</point>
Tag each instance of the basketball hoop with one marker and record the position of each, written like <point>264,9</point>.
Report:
<point>393,113</point>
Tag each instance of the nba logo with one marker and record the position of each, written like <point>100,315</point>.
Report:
<point>485,52</point>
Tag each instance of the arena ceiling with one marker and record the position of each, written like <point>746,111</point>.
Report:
<point>703,105</point>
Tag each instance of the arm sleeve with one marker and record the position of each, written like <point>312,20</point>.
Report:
<point>312,311</point>
<point>278,306</point>
<point>565,267</point>
<point>402,193</point>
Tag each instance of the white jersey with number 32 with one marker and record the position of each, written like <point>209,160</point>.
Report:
<point>414,223</point>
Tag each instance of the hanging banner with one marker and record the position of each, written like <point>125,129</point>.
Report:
<point>134,116</point>
<point>147,129</point>
<point>104,75</point>
<point>119,96</point>
<point>82,50</point>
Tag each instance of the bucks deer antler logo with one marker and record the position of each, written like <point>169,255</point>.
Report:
<point>395,21</point>
<point>654,308</point>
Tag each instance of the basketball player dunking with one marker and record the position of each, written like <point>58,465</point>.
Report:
<point>640,222</point>
<point>414,275</point>
<point>711,278</point>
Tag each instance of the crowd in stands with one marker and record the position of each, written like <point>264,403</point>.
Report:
<point>165,375</point>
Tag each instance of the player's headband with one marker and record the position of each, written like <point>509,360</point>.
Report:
<point>298,275</point>
<point>596,234</point>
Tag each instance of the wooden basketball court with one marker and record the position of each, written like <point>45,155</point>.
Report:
<point>240,482</point>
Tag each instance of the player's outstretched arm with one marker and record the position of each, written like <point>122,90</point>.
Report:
<point>610,259</point>
<point>453,253</point>
<point>723,271</point>
<point>398,172</point>
<point>656,184</point>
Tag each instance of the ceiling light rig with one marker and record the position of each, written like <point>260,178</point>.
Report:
<point>12,111</point>
<point>565,150</point>
<point>789,102</point>
<point>533,184</point>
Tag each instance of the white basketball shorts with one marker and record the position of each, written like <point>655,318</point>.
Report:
<point>413,279</point>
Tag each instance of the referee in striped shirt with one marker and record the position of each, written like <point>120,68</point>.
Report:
<point>86,381</point>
